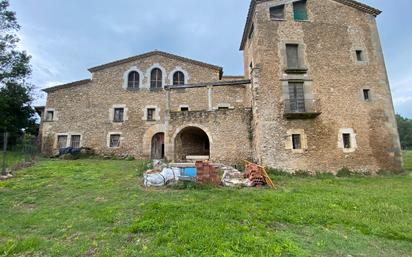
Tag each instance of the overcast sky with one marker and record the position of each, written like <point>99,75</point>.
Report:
<point>66,37</point>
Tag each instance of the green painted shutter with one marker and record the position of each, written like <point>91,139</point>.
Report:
<point>300,12</point>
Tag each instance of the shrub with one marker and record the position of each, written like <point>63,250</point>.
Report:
<point>344,172</point>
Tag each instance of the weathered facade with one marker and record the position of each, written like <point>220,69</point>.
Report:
<point>314,96</point>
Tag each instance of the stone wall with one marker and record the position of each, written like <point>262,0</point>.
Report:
<point>328,41</point>
<point>228,132</point>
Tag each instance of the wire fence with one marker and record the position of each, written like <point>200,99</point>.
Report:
<point>17,150</point>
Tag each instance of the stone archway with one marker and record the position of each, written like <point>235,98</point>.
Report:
<point>191,141</point>
<point>158,146</point>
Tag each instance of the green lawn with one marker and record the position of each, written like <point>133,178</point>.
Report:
<point>98,208</point>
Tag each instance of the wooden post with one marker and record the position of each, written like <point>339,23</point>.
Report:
<point>5,135</point>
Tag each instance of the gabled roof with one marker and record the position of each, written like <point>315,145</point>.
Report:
<point>72,84</point>
<point>351,3</point>
<point>156,52</point>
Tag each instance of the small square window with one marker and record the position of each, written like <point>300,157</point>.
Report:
<point>359,56</point>
<point>118,115</point>
<point>114,141</point>
<point>296,141</point>
<point>49,115</point>
<point>150,114</point>
<point>277,12</point>
<point>184,109</point>
<point>61,142</point>
<point>366,94</point>
<point>346,140</point>
<point>75,142</point>
<point>300,12</point>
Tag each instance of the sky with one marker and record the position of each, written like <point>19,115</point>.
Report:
<point>66,37</point>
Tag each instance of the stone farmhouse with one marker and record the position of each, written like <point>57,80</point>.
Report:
<point>314,96</point>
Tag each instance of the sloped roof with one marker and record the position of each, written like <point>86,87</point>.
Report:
<point>156,52</point>
<point>351,3</point>
<point>72,84</point>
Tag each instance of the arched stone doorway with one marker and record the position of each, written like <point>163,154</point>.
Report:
<point>191,141</point>
<point>158,146</point>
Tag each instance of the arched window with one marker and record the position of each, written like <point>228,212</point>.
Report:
<point>156,79</point>
<point>133,80</point>
<point>178,78</point>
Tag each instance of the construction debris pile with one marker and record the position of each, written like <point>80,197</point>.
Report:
<point>204,172</point>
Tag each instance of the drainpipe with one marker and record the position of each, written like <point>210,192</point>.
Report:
<point>210,97</point>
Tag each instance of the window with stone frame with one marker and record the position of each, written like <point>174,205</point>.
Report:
<point>300,12</point>
<point>156,79</point>
<point>277,12</point>
<point>360,56</point>
<point>178,78</point>
<point>151,114</point>
<point>118,115</point>
<point>62,141</point>
<point>346,137</point>
<point>49,115</point>
<point>75,141</point>
<point>296,141</point>
<point>366,94</point>
<point>114,141</point>
<point>292,56</point>
<point>133,81</point>
<point>296,97</point>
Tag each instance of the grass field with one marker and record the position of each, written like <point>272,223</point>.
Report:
<point>98,208</point>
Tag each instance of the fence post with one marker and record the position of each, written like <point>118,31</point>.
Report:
<point>5,135</point>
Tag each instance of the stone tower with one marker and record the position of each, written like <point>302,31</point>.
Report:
<point>320,93</point>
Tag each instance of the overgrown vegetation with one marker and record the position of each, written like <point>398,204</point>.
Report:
<point>98,208</point>
<point>405,131</point>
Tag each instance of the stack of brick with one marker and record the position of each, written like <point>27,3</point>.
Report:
<point>255,175</point>
<point>206,173</point>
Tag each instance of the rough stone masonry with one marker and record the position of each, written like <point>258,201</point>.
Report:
<point>314,96</point>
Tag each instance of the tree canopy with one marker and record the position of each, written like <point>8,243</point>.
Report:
<point>16,112</point>
<point>405,131</point>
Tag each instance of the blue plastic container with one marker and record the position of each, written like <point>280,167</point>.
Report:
<point>189,172</point>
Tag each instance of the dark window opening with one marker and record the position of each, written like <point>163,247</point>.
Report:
<point>75,141</point>
<point>49,115</point>
<point>297,97</point>
<point>223,108</point>
<point>346,141</point>
<point>184,109</point>
<point>61,142</point>
<point>156,79</point>
<point>300,12</point>
<point>359,55</point>
<point>292,55</point>
<point>133,81</point>
<point>296,141</point>
<point>366,94</point>
<point>252,30</point>
<point>118,115</point>
<point>114,141</point>
<point>277,12</point>
<point>178,78</point>
<point>150,114</point>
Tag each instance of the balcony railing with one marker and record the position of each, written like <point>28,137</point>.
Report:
<point>301,109</point>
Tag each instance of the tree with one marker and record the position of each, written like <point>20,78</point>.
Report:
<point>16,112</point>
<point>405,131</point>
